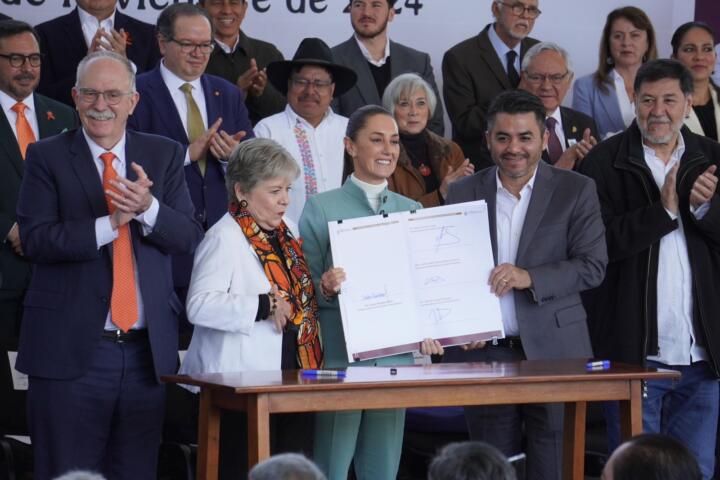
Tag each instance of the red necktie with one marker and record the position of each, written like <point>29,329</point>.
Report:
<point>555,149</point>
<point>123,304</point>
<point>25,135</point>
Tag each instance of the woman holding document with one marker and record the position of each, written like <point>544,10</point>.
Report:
<point>251,297</point>
<point>373,438</point>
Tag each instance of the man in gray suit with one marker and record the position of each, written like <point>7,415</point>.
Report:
<point>377,60</point>
<point>548,242</point>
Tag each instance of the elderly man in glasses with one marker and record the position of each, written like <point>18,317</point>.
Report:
<point>469,86</point>
<point>548,74</point>
<point>204,113</point>
<point>308,128</point>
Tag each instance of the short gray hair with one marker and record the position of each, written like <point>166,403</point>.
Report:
<point>538,48</point>
<point>94,56</point>
<point>256,160</point>
<point>286,466</point>
<point>406,84</point>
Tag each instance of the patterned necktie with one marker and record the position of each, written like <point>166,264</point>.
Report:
<point>306,155</point>
<point>195,125</point>
<point>25,135</point>
<point>555,149</point>
<point>123,304</point>
<point>511,71</point>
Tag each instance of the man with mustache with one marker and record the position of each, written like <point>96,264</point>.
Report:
<point>549,245</point>
<point>26,117</point>
<point>659,303</point>
<point>308,128</point>
<point>377,60</point>
<point>477,69</point>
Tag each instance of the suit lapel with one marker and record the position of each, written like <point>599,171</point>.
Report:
<point>160,96</point>
<point>84,166</point>
<point>365,83</point>
<point>213,102</point>
<point>611,105</point>
<point>490,57</point>
<point>74,35</point>
<point>486,189</point>
<point>569,128</point>
<point>10,145</point>
<point>541,194</point>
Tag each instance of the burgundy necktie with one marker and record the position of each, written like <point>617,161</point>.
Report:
<point>555,149</point>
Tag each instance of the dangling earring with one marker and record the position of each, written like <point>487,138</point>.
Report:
<point>609,61</point>
<point>243,203</point>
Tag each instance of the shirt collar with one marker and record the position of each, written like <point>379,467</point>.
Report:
<point>86,18</point>
<point>675,156</point>
<point>500,46</point>
<point>7,102</point>
<point>368,57</point>
<point>294,117</point>
<point>528,187</point>
<point>173,82</point>
<point>96,150</point>
<point>227,48</point>
<point>556,115</point>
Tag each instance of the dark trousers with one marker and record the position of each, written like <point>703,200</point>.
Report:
<point>109,420</point>
<point>502,425</point>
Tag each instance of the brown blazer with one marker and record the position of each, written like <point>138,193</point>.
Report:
<point>407,180</point>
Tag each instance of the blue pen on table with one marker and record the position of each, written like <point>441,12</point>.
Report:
<point>325,373</point>
<point>598,365</point>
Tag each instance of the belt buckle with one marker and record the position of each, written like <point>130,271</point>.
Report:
<point>118,336</point>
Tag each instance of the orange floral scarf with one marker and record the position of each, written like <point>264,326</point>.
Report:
<point>293,283</point>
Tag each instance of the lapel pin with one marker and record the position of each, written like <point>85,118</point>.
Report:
<point>50,115</point>
<point>574,129</point>
<point>217,93</point>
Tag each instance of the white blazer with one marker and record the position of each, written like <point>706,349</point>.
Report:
<point>693,122</point>
<point>222,303</point>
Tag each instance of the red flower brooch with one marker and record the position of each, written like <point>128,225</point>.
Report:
<point>50,115</point>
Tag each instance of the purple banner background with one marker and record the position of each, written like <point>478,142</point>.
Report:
<point>708,11</point>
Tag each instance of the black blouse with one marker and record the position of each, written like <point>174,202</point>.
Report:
<point>706,115</point>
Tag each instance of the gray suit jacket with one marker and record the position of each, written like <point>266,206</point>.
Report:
<point>562,246</point>
<point>402,60</point>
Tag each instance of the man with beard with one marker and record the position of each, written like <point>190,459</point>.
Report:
<point>377,60</point>
<point>549,245</point>
<point>308,128</point>
<point>477,69</point>
<point>658,305</point>
<point>241,60</point>
<point>26,117</point>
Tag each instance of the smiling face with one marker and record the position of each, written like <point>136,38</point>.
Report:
<point>513,28</point>
<point>516,145</point>
<point>412,112</point>
<point>227,16</point>
<point>660,108</point>
<point>547,77</point>
<point>19,82</point>
<point>375,150</point>
<point>697,52</point>
<point>628,44</point>
<point>267,201</point>
<point>105,123</point>
<point>310,92</point>
<point>187,29</point>
<point>370,18</point>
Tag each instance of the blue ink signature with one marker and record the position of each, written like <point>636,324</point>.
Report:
<point>375,295</point>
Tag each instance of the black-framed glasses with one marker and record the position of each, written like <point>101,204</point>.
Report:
<point>188,47</point>
<point>112,97</point>
<point>518,9</point>
<point>18,59</point>
<point>302,83</point>
<point>538,79</point>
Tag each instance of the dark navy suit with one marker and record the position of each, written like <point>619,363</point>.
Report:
<point>94,403</point>
<point>156,113</point>
<point>63,44</point>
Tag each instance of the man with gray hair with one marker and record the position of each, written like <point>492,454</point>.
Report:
<point>547,73</point>
<point>100,210</point>
<point>286,466</point>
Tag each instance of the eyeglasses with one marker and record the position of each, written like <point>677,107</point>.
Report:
<point>518,9</point>
<point>303,83</point>
<point>112,97</point>
<point>18,60</point>
<point>538,79</point>
<point>188,47</point>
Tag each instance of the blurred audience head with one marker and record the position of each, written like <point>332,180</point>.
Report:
<point>693,44</point>
<point>227,17</point>
<point>547,73</point>
<point>370,18</point>
<point>411,100</point>
<point>185,38</point>
<point>514,19</point>
<point>651,457</point>
<point>20,59</point>
<point>286,466</point>
<point>470,461</point>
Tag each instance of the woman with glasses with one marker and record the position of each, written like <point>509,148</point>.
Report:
<point>693,44</point>
<point>628,41</point>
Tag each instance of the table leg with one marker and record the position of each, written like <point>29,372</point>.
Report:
<point>258,413</point>
<point>631,412</point>
<point>208,437</point>
<point>574,441</point>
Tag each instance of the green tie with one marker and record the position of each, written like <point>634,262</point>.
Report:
<point>195,126</point>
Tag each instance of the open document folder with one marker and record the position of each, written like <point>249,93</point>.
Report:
<point>415,275</point>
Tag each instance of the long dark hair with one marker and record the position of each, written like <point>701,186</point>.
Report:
<point>357,121</point>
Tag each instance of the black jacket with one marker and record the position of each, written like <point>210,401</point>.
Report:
<point>622,312</point>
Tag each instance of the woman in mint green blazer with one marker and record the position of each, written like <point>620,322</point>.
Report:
<point>373,438</point>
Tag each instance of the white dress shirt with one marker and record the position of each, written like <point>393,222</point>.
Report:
<point>369,57</point>
<point>627,108</point>
<point>501,49</point>
<point>104,233</point>
<point>326,145</point>
<point>510,213</point>
<point>676,338</point>
<point>559,128</point>
<point>90,25</point>
<point>7,102</point>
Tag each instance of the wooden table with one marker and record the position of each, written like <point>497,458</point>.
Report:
<point>539,381</point>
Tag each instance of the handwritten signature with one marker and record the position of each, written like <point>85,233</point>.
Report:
<point>434,280</point>
<point>437,315</point>
<point>445,238</point>
<point>375,295</point>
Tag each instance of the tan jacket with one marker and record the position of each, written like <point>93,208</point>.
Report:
<point>407,180</point>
